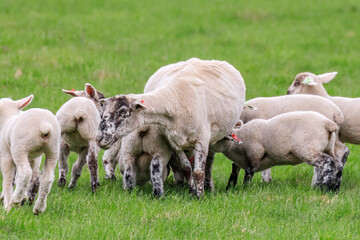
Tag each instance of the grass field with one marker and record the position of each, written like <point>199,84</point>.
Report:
<point>46,46</point>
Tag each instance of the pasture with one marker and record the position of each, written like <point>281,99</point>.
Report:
<point>46,46</point>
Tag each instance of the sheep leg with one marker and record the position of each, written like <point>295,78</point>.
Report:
<point>249,174</point>
<point>234,176</point>
<point>34,183</point>
<point>187,171</point>
<point>110,161</point>
<point>326,176</point>
<point>63,164</point>
<point>77,168</point>
<point>266,175</point>
<point>129,176</point>
<point>8,173</point>
<point>199,167</point>
<point>93,165</point>
<point>46,180</point>
<point>209,184</point>
<point>24,173</point>
<point>156,170</point>
<point>178,174</point>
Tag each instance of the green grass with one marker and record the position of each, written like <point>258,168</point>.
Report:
<point>117,45</point>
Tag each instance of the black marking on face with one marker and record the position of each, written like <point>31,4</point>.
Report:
<point>116,111</point>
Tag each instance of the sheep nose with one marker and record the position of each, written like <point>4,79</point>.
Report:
<point>288,92</point>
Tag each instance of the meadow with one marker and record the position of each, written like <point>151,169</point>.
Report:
<point>46,46</point>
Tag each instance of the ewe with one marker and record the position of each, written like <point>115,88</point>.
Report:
<point>194,104</point>
<point>308,83</point>
<point>24,137</point>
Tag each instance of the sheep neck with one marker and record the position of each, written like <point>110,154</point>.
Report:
<point>4,117</point>
<point>159,111</point>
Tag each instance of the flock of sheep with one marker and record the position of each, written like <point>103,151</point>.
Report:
<point>189,111</point>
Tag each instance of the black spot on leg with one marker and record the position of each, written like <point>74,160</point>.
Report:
<point>234,176</point>
<point>249,174</point>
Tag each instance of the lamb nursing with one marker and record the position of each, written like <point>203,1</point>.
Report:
<point>188,105</point>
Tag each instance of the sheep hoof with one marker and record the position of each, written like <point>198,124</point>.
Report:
<point>158,193</point>
<point>94,186</point>
<point>111,177</point>
<point>209,186</point>
<point>71,186</point>
<point>62,182</point>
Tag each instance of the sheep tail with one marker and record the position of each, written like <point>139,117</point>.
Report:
<point>333,129</point>
<point>45,129</point>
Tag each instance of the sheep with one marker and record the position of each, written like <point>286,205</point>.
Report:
<point>188,105</point>
<point>144,144</point>
<point>309,83</point>
<point>79,119</point>
<point>288,139</point>
<point>24,137</point>
<point>268,107</point>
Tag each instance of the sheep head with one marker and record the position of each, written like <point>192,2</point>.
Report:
<point>9,107</point>
<point>90,92</point>
<point>309,83</point>
<point>120,116</point>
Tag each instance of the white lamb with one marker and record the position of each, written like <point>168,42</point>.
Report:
<point>79,119</point>
<point>24,137</point>
<point>288,139</point>
<point>194,104</point>
<point>309,83</point>
<point>268,107</point>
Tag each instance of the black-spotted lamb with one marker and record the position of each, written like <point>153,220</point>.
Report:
<point>79,119</point>
<point>24,137</point>
<point>309,83</point>
<point>268,107</point>
<point>195,104</point>
<point>289,139</point>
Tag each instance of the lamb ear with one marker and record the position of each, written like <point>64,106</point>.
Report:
<point>327,77</point>
<point>24,102</point>
<point>138,105</point>
<point>72,92</point>
<point>90,90</point>
<point>239,125</point>
<point>309,81</point>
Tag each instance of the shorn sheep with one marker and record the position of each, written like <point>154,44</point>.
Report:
<point>195,104</point>
<point>24,137</point>
<point>79,119</point>
<point>289,139</point>
<point>309,83</point>
<point>268,107</point>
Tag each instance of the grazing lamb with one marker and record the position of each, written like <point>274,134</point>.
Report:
<point>308,83</point>
<point>194,104</point>
<point>24,137</point>
<point>268,107</point>
<point>79,119</point>
<point>288,139</point>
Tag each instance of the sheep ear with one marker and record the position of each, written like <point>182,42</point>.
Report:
<point>90,90</point>
<point>72,92</point>
<point>309,81</point>
<point>139,105</point>
<point>327,77</point>
<point>24,102</point>
<point>239,125</point>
